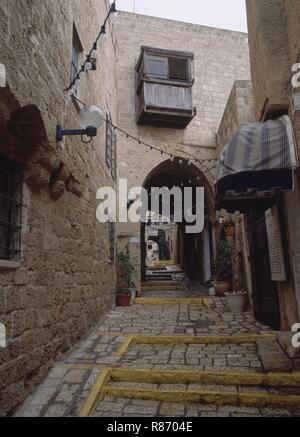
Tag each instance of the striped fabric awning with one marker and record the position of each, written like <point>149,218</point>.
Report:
<point>259,158</point>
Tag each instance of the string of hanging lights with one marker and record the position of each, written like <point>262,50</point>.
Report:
<point>91,59</point>
<point>90,64</point>
<point>181,160</point>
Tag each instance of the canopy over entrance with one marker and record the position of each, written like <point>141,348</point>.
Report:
<point>259,160</point>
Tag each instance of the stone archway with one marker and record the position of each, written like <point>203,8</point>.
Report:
<point>194,251</point>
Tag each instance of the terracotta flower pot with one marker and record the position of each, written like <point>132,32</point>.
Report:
<point>230,231</point>
<point>222,288</point>
<point>123,300</point>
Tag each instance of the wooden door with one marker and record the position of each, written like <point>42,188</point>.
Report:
<point>265,296</point>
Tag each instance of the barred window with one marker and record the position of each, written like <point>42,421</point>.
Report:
<point>111,148</point>
<point>112,241</point>
<point>10,210</point>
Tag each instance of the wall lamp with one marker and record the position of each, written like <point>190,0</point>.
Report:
<point>90,120</point>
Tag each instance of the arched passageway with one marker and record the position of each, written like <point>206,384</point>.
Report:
<point>192,251</point>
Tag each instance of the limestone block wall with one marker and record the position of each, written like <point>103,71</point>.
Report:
<point>268,40</point>
<point>221,57</point>
<point>238,112</point>
<point>274,48</point>
<point>65,281</point>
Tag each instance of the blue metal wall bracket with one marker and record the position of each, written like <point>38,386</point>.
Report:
<point>90,132</point>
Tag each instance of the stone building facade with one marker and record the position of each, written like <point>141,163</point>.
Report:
<point>273,53</point>
<point>220,58</point>
<point>64,280</point>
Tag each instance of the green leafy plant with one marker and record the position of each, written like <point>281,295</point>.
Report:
<point>124,292</point>
<point>229,222</point>
<point>224,260</point>
<point>125,268</point>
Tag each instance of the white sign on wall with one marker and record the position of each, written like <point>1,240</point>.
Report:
<point>278,270</point>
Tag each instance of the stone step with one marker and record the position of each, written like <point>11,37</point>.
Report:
<point>248,389</point>
<point>171,301</point>
<point>208,396</point>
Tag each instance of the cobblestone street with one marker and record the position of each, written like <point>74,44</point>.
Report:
<point>115,345</point>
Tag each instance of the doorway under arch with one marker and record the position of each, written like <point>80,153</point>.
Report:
<point>194,251</point>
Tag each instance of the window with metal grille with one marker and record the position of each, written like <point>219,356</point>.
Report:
<point>76,50</point>
<point>10,210</point>
<point>111,148</point>
<point>112,241</point>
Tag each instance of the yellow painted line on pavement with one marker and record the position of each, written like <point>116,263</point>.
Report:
<point>217,398</point>
<point>165,263</point>
<point>125,345</point>
<point>165,288</point>
<point>190,339</point>
<point>156,376</point>
<point>157,283</point>
<point>95,394</point>
<point>101,387</point>
<point>171,301</point>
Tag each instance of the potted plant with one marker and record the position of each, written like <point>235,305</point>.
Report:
<point>229,227</point>
<point>211,287</point>
<point>223,267</point>
<point>123,297</point>
<point>125,269</point>
<point>237,299</point>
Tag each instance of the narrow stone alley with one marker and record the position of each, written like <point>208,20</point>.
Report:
<point>178,353</point>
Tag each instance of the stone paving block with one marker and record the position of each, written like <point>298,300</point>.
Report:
<point>72,386</point>
<point>171,409</point>
<point>141,409</point>
<point>42,396</point>
<point>273,358</point>
<point>57,372</point>
<point>285,341</point>
<point>75,376</point>
<point>31,411</point>
<point>56,410</point>
<point>66,394</point>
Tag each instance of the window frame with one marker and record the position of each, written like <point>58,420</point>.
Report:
<point>112,242</point>
<point>11,217</point>
<point>111,148</point>
<point>149,57</point>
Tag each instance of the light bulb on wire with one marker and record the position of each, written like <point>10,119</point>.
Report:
<point>88,65</point>
<point>103,35</point>
<point>113,13</point>
<point>94,52</point>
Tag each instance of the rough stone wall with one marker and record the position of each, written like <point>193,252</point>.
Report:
<point>267,24</point>
<point>64,282</point>
<point>274,48</point>
<point>238,112</point>
<point>221,57</point>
